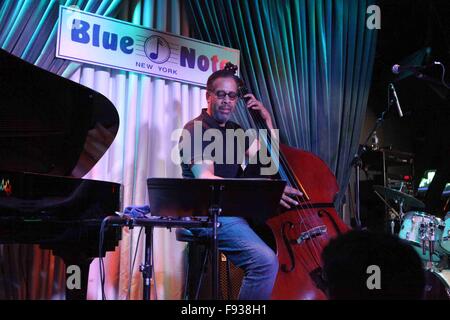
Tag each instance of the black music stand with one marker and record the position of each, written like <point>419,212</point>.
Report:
<point>257,199</point>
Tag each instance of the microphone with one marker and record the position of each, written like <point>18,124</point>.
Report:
<point>397,103</point>
<point>397,69</point>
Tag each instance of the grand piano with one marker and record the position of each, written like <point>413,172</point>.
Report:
<point>52,132</point>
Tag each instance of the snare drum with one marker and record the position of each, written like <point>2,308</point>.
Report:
<point>417,228</point>
<point>445,238</point>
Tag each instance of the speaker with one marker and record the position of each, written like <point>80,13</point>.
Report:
<point>230,279</point>
<point>230,276</point>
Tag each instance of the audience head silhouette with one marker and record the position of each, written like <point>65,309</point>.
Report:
<point>366,265</point>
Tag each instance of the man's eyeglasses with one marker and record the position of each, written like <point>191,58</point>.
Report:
<point>222,94</point>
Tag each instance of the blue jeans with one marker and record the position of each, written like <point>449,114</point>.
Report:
<point>246,250</point>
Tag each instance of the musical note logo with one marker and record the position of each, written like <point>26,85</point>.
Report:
<point>157,49</point>
<point>154,55</point>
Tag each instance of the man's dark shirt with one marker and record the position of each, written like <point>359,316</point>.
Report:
<point>222,170</point>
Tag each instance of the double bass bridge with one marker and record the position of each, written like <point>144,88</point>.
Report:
<point>311,233</point>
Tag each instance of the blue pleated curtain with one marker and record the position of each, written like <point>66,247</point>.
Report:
<point>310,63</point>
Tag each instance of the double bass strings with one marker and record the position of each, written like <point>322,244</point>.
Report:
<point>290,178</point>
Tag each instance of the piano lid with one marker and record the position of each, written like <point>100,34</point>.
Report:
<point>49,124</point>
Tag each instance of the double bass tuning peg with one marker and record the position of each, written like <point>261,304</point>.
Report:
<point>231,67</point>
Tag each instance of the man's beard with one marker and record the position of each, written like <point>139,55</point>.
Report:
<point>222,113</point>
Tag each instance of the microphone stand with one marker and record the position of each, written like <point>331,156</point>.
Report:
<point>357,162</point>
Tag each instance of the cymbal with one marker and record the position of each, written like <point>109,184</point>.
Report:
<point>399,196</point>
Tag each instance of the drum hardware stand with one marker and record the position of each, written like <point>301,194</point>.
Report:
<point>357,162</point>
<point>392,225</point>
<point>400,215</point>
<point>427,233</point>
<point>394,213</point>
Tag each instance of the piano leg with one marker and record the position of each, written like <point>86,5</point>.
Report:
<point>77,275</point>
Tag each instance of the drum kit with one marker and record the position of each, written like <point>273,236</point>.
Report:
<point>427,234</point>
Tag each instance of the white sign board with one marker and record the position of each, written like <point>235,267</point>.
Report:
<point>90,38</point>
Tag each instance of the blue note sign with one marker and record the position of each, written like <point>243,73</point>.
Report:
<point>89,38</point>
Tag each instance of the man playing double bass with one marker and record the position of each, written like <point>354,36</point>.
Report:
<point>236,239</point>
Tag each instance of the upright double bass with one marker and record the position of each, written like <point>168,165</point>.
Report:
<point>303,231</point>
